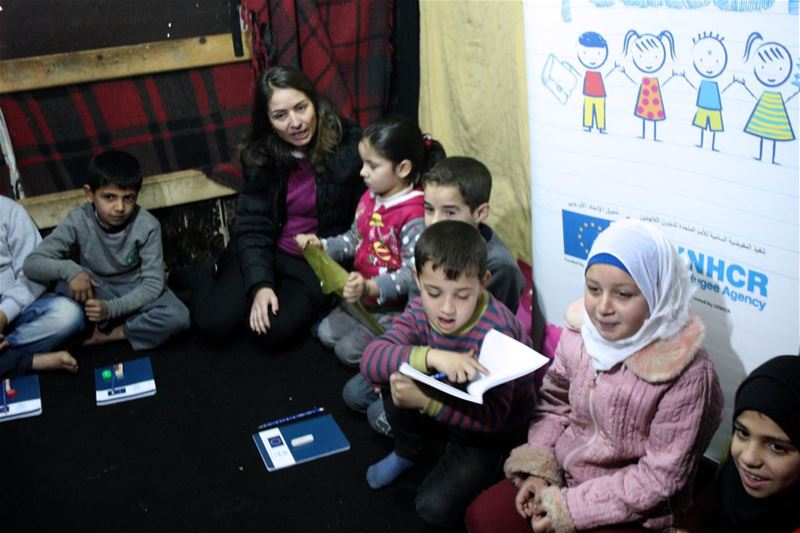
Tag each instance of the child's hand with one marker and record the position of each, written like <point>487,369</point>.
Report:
<point>526,493</point>
<point>460,367</point>
<point>265,301</point>
<point>81,287</point>
<point>96,310</point>
<point>355,287</point>
<point>406,393</point>
<point>540,522</point>
<point>308,239</point>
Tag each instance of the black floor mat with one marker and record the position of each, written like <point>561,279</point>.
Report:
<point>184,459</point>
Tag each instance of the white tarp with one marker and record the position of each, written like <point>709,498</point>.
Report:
<point>677,74</point>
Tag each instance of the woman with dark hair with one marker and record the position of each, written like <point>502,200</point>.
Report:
<point>301,175</point>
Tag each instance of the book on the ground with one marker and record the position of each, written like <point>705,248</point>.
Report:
<point>300,441</point>
<point>124,381</point>
<point>21,398</point>
<point>504,357</point>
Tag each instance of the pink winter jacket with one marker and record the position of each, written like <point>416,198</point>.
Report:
<point>623,445</point>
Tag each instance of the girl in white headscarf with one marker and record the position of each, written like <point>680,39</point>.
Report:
<point>627,407</point>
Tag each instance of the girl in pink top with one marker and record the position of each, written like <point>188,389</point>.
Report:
<point>627,407</point>
<point>380,244</point>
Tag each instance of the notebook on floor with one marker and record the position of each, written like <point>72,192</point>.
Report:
<point>300,441</point>
<point>20,398</point>
<point>124,381</point>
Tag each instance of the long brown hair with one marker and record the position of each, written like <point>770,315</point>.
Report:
<point>263,141</point>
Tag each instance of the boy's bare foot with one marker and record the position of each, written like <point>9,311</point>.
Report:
<point>54,361</point>
<point>98,337</point>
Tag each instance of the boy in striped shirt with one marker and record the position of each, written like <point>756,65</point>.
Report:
<point>442,331</point>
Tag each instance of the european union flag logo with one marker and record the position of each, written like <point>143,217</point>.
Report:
<point>580,231</point>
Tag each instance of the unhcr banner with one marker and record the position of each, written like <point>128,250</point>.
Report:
<point>685,114</point>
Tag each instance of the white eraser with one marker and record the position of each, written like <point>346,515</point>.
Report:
<point>302,441</point>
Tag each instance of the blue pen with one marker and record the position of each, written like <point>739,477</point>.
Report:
<point>291,418</point>
<point>439,376</point>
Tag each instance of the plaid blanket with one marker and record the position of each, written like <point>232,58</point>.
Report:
<point>196,118</point>
<point>171,121</point>
<point>343,45</point>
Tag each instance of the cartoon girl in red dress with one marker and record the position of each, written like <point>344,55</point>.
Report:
<point>649,55</point>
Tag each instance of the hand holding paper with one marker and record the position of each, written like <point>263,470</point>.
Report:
<point>505,359</point>
<point>459,367</point>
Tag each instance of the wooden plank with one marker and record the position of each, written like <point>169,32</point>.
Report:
<point>118,62</point>
<point>41,27</point>
<point>163,190</point>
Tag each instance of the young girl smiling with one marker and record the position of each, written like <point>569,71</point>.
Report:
<point>627,407</point>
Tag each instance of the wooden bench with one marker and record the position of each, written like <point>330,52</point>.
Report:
<point>160,191</point>
<point>195,212</point>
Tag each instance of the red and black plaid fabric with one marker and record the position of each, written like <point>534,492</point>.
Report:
<point>343,45</point>
<point>172,121</point>
<point>195,118</point>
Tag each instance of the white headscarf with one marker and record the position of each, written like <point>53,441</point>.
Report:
<point>661,275</point>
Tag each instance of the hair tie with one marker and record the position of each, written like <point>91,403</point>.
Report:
<point>427,141</point>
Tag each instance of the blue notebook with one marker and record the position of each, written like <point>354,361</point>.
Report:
<point>300,441</point>
<point>125,381</point>
<point>20,398</point>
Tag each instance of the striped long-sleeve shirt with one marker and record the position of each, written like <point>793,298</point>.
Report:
<point>408,340</point>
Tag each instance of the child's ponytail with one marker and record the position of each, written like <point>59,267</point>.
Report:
<point>434,152</point>
<point>397,138</point>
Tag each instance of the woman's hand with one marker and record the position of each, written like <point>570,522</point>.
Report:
<point>265,302</point>
<point>526,493</point>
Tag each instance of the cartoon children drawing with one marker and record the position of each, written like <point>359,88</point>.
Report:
<point>649,55</point>
<point>592,53</point>
<point>772,68</point>
<point>710,57</point>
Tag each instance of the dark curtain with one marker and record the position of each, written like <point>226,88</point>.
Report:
<point>404,86</point>
<point>343,45</point>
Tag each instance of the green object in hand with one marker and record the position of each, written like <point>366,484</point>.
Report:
<point>333,278</point>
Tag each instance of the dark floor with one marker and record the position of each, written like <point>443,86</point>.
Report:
<point>184,459</point>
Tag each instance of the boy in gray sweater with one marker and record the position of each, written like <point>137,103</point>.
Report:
<point>119,276</point>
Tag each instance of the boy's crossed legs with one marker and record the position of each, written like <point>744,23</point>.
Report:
<point>46,323</point>
<point>147,328</point>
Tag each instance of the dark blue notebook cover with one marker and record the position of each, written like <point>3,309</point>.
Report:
<point>277,451</point>
<point>133,380</point>
<point>24,401</point>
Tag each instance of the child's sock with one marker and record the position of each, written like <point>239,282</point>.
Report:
<point>387,470</point>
